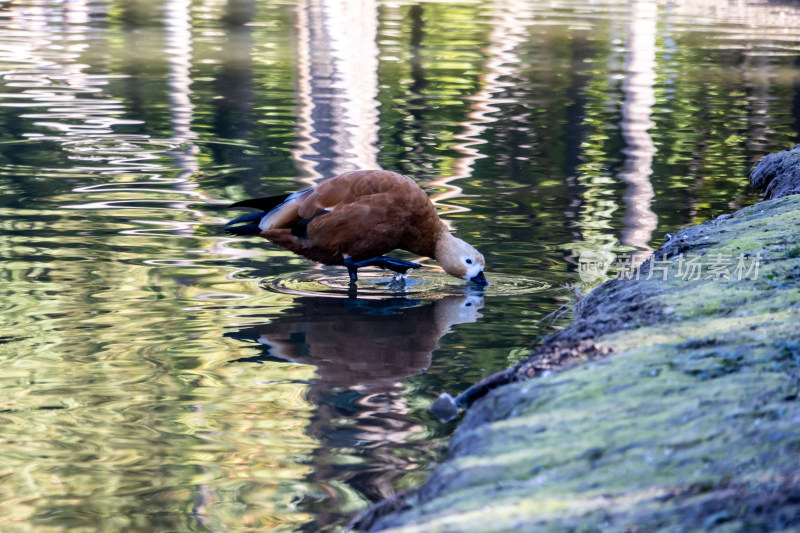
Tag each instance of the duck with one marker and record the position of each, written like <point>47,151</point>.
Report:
<point>354,219</point>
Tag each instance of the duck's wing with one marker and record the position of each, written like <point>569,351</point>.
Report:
<point>369,213</point>
<point>353,187</point>
<point>359,214</point>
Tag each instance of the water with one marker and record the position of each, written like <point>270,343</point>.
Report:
<point>157,375</point>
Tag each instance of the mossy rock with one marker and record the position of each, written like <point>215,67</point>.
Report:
<point>676,408</point>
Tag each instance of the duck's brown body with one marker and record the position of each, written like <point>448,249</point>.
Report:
<point>360,214</point>
<point>355,218</point>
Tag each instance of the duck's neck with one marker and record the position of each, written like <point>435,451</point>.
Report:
<point>444,242</point>
<point>423,239</point>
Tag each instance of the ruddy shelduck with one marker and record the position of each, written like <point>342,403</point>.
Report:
<point>353,219</point>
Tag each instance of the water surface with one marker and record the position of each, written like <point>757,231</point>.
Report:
<point>157,375</point>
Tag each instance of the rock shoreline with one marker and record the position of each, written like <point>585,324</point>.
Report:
<point>674,408</point>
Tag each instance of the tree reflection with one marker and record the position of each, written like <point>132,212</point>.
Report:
<point>639,221</point>
<point>338,80</point>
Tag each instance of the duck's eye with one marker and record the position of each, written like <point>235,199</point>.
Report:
<point>469,261</point>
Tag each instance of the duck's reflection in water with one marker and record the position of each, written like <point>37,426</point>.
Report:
<point>363,349</point>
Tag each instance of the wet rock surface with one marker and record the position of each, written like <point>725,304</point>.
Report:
<point>778,175</point>
<point>671,403</point>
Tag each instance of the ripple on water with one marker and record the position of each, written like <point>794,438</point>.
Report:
<point>377,284</point>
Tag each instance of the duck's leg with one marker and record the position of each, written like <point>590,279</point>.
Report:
<point>395,265</point>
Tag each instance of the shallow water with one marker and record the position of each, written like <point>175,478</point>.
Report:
<point>157,375</point>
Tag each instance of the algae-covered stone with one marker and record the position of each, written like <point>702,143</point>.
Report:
<point>683,416</point>
<point>778,175</point>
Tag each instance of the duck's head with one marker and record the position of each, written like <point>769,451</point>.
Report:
<point>459,259</point>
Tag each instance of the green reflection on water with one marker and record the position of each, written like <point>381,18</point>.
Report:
<point>152,382</point>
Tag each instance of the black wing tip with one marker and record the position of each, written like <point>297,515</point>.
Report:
<point>251,228</point>
<point>251,217</point>
<point>264,204</point>
<point>244,229</point>
<point>241,203</point>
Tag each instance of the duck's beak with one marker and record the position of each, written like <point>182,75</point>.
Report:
<point>480,279</point>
